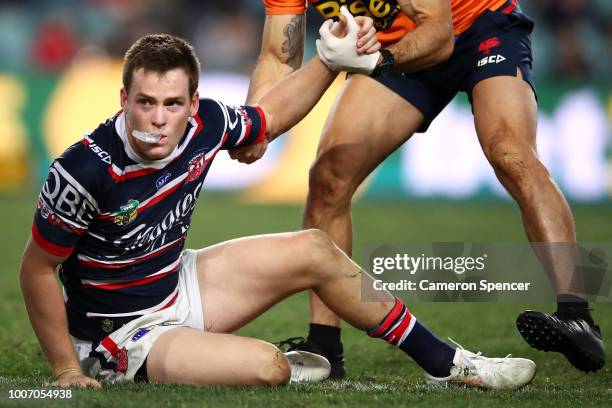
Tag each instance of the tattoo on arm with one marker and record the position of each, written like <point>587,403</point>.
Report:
<point>293,45</point>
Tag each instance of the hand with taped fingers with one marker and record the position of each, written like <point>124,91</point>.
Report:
<point>337,47</point>
<point>74,377</point>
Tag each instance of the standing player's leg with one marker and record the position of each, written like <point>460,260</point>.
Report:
<point>367,123</point>
<point>240,279</point>
<point>505,114</point>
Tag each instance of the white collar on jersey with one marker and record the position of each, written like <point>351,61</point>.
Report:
<point>120,128</point>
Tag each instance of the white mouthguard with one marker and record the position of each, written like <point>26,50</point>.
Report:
<point>147,137</point>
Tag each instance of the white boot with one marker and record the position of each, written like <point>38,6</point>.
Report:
<point>475,370</point>
<point>307,367</point>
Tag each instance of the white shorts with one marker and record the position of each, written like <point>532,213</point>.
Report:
<point>127,347</point>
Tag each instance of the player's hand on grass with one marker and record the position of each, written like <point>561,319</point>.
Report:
<point>338,48</point>
<point>249,154</point>
<point>74,378</point>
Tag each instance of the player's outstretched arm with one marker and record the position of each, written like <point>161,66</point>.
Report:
<point>282,52</point>
<point>290,100</point>
<point>431,42</point>
<point>47,313</point>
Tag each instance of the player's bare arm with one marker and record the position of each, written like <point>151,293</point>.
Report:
<point>281,107</point>
<point>282,49</point>
<point>431,42</point>
<point>47,313</point>
<point>282,52</point>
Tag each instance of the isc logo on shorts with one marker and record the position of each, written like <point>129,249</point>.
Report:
<point>492,59</point>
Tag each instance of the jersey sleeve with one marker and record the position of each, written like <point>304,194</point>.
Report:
<point>66,204</point>
<point>246,125</point>
<point>285,6</point>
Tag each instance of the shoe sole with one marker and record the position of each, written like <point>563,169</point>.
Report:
<point>540,334</point>
<point>338,372</point>
<point>312,367</point>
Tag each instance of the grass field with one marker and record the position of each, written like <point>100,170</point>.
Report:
<point>378,375</point>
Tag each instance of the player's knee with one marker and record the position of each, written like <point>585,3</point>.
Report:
<point>516,161</point>
<point>321,250</point>
<point>329,182</point>
<point>273,367</point>
<point>317,249</point>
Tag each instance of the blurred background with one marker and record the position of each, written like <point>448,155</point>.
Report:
<point>60,64</point>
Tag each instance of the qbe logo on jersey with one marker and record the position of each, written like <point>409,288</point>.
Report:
<point>64,194</point>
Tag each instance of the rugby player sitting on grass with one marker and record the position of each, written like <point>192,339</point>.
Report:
<point>114,213</point>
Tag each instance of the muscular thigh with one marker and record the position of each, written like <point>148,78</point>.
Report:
<point>242,278</point>
<point>189,356</point>
<point>367,123</point>
<point>505,112</point>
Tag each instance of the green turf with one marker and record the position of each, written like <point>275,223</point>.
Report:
<point>378,374</point>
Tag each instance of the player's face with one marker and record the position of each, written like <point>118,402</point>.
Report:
<point>158,103</point>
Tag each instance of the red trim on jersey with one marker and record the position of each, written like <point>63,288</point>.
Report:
<point>110,345</point>
<point>130,174</point>
<point>118,178</point>
<point>510,8</point>
<point>85,141</point>
<point>225,137</point>
<point>262,130</point>
<point>170,302</point>
<point>151,203</point>
<point>137,282</point>
<point>247,132</point>
<point>106,217</point>
<point>200,124</point>
<point>50,247</point>
<point>153,254</point>
<point>160,197</point>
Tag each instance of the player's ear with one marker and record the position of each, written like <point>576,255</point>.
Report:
<point>195,103</point>
<point>123,99</point>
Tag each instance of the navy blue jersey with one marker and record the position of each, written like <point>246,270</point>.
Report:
<point>123,221</point>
